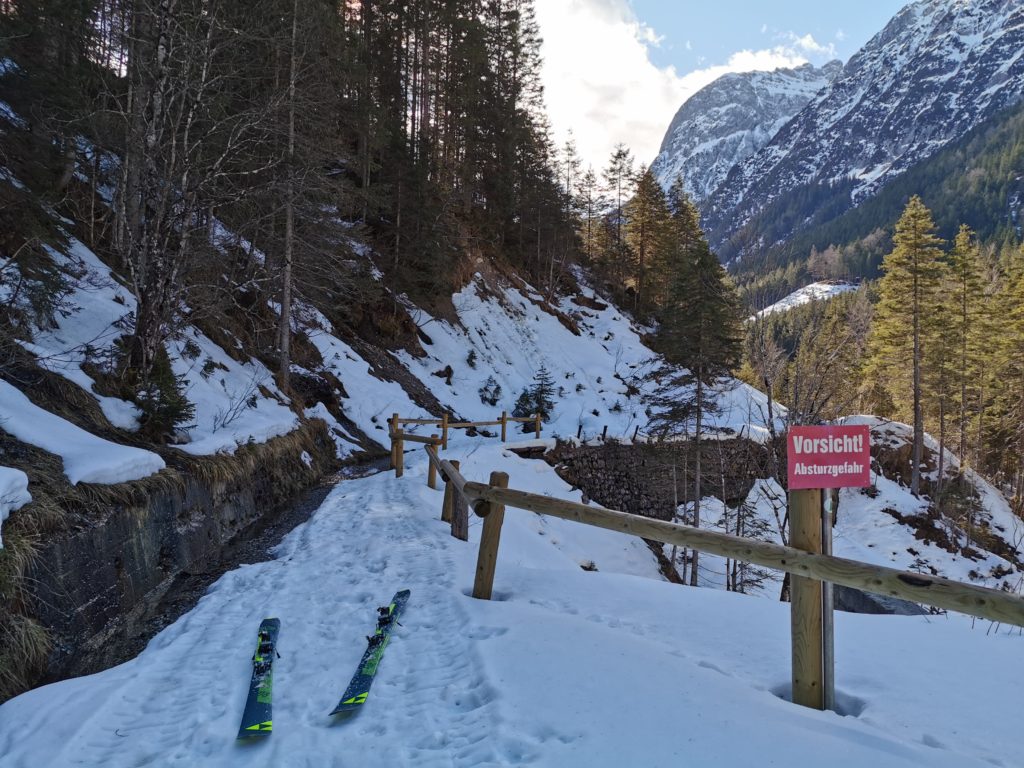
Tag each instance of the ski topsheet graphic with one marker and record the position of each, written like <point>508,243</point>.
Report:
<point>359,688</point>
<point>257,718</point>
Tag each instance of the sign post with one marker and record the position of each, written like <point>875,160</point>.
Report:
<point>818,458</point>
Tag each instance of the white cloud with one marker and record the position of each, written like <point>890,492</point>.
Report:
<point>807,44</point>
<point>601,84</point>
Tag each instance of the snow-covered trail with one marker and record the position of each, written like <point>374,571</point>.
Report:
<point>179,701</point>
<point>564,668</point>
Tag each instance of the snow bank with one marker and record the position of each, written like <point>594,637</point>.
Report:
<point>87,458</point>
<point>13,493</point>
<point>370,399</point>
<point>236,403</point>
<point>100,310</point>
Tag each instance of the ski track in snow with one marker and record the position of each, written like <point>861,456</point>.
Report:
<point>162,717</point>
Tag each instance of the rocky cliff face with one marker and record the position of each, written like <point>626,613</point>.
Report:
<point>728,121</point>
<point>937,70</point>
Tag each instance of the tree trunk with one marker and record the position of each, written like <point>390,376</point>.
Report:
<point>697,472</point>
<point>918,452</point>
<point>285,336</point>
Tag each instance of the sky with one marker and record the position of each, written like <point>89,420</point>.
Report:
<point>618,70</point>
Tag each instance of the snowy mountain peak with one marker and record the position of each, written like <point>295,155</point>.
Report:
<point>937,70</point>
<point>731,119</point>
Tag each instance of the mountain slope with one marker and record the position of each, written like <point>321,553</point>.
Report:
<point>729,120</point>
<point>977,180</point>
<point>938,69</point>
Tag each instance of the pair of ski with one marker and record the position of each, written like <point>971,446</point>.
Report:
<point>257,719</point>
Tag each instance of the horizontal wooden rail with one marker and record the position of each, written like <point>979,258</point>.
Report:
<point>982,602</point>
<point>448,472</point>
<point>406,437</point>
<point>398,435</point>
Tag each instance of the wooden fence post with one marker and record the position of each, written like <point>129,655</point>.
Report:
<point>806,608</point>
<point>449,495</point>
<point>431,469</point>
<point>604,433</point>
<point>460,516</point>
<point>399,455</point>
<point>493,515</point>
<point>537,425</point>
<point>394,430</point>
<point>504,425</point>
<point>444,431</point>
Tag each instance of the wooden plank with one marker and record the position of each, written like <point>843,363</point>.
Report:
<point>806,603</point>
<point>487,559</point>
<point>992,604</point>
<point>407,438</point>
<point>449,470</point>
<point>424,422</point>
<point>472,424</point>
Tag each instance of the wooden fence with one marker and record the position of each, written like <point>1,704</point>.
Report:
<point>399,437</point>
<point>488,501</point>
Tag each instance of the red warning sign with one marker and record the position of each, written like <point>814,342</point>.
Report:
<point>829,457</point>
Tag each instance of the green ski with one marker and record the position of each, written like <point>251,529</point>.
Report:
<point>359,688</point>
<point>257,719</point>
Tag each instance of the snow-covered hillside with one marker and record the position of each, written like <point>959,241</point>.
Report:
<point>564,667</point>
<point>807,294</point>
<point>504,335</point>
<point>729,120</point>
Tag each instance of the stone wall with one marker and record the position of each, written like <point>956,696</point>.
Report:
<point>92,586</point>
<point>637,478</point>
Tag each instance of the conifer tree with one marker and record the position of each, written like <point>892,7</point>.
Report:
<point>646,232</point>
<point>618,177</point>
<point>1005,435</point>
<point>968,301</point>
<point>700,337</point>
<point>592,231</point>
<point>908,294</point>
